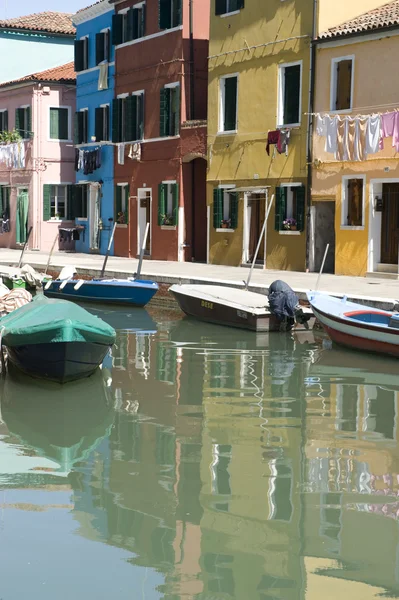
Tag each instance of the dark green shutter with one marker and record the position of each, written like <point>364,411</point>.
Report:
<point>220,7</point>
<point>54,124</point>
<point>106,123</point>
<point>2,200</point>
<point>230,104</point>
<point>5,120</point>
<point>99,131</point>
<point>175,195</point>
<point>100,45</point>
<point>300,207</point>
<point>175,97</point>
<point>63,116</point>
<point>28,122</point>
<point>135,24</point>
<point>164,14</point>
<point>292,81</point>
<point>131,118</point>
<point>118,202</point>
<point>140,111</point>
<point>165,112</point>
<point>117,29</point>
<point>130,25</point>
<point>234,209</point>
<point>217,207</point>
<point>281,207</point>
<point>78,127</point>
<point>126,192</point>
<point>240,4</point>
<point>79,55</point>
<point>177,13</point>
<point>70,216</point>
<point>46,202</point>
<point>115,120</point>
<point>142,24</point>
<point>162,190</point>
<point>85,126</point>
<point>19,121</point>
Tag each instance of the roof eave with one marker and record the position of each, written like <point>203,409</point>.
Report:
<point>355,34</point>
<point>37,31</point>
<point>32,82</point>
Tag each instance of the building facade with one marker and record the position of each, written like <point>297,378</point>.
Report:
<point>34,43</point>
<point>355,192</point>
<point>159,127</point>
<point>95,77</point>
<point>259,127</point>
<point>36,173</point>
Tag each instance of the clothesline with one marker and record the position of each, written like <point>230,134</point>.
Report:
<point>344,115</point>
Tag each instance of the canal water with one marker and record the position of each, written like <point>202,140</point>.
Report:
<point>203,463</point>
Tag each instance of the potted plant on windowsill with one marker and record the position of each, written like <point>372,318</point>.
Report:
<point>225,223</point>
<point>167,220</point>
<point>290,224</point>
<point>121,218</point>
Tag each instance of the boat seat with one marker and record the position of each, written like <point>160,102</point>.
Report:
<point>369,316</point>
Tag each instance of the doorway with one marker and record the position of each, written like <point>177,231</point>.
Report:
<point>144,217</point>
<point>255,218</point>
<point>390,224</point>
<point>324,233</point>
<point>21,225</point>
<point>94,217</point>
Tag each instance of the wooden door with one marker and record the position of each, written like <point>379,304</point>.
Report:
<point>257,205</point>
<point>390,224</point>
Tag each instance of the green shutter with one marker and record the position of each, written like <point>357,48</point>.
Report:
<point>217,207</point>
<point>70,215</point>
<point>28,122</point>
<point>177,13</point>
<point>79,54</point>
<point>130,24</point>
<point>106,124</point>
<point>135,24</point>
<point>165,112</point>
<point>131,118</point>
<point>220,7</point>
<point>78,127</point>
<point>99,124</point>
<point>239,4</point>
<point>2,200</point>
<point>140,126</point>
<point>5,120</point>
<point>175,99</point>
<point>54,124</point>
<point>85,126</point>
<point>162,191</point>
<point>292,81</point>
<point>19,120</point>
<point>46,202</point>
<point>118,202</point>
<point>126,192</point>
<point>281,207</point>
<point>175,194</point>
<point>100,44</point>
<point>117,29</point>
<point>115,120</point>
<point>234,209</point>
<point>230,104</point>
<point>300,207</point>
<point>164,14</point>
<point>63,115</point>
<point>142,24</point>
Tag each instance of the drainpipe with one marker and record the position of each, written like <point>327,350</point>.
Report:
<point>309,161</point>
<point>192,117</point>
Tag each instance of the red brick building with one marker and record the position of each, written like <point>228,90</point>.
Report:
<point>159,126</point>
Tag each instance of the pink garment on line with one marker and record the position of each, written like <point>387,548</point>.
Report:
<point>390,128</point>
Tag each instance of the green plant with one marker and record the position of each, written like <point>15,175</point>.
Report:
<point>167,220</point>
<point>10,137</point>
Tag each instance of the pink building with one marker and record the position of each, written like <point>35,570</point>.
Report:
<point>37,175</point>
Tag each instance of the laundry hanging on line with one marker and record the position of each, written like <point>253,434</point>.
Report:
<point>354,138</point>
<point>13,155</point>
<point>280,138</point>
<point>87,161</point>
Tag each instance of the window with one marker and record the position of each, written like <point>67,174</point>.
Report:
<point>347,408</point>
<point>59,123</point>
<point>128,118</point>
<point>225,208</point>
<point>224,7</point>
<point>55,202</point>
<point>381,414</point>
<point>82,126</point>
<point>228,103</point>
<point>3,120</point>
<point>170,111</point>
<point>5,192</point>
<point>290,208</point>
<point>352,202</point>
<point>23,121</point>
<point>222,455</point>
<point>289,104</point>
<point>129,24</point>
<point>168,203</point>
<point>102,47</point>
<point>79,201</point>
<point>81,54</point>
<point>280,490</point>
<point>122,203</point>
<point>170,13</point>
<point>102,124</point>
<point>166,363</point>
<point>341,84</point>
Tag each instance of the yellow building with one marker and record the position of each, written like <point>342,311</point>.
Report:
<point>259,83</point>
<point>355,203</point>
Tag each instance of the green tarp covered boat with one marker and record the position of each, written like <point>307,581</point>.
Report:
<point>55,339</point>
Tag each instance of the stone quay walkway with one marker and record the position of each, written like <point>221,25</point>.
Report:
<point>383,293</point>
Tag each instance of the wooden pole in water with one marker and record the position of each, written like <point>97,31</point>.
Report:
<point>322,267</point>
<point>24,248</point>
<point>262,233</point>
<point>147,228</point>
<point>111,239</point>
<point>51,253</point>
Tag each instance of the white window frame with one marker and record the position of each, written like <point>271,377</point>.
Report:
<point>57,185</point>
<point>334,82</point>
<point>229,13</point>
<point>85,37</point>
<point>344,202</point>
<point>227,187</point>
<point>281,90</point>
<point>50,139</point>
<point>222,100</point>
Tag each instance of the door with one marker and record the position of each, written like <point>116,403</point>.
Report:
<point>324,233</point>
<point>256,217</point>
<point>390,224</point>
<point>144,217</point>
<point>21,225</point>
<point>94,216</point>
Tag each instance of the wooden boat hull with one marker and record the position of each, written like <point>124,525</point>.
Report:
<point>357,335</point>
<point>213,310</point>
<point>61,362</point>
<point>117,291</point>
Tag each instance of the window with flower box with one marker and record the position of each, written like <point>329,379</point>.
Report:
<point>168,204</point>
<point>290,208</point>
<point>225,208</point>
<point>122,204</point>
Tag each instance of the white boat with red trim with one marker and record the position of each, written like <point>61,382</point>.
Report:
<point>355,325</point>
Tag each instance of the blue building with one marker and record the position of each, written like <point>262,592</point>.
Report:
<point>94,162</point>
